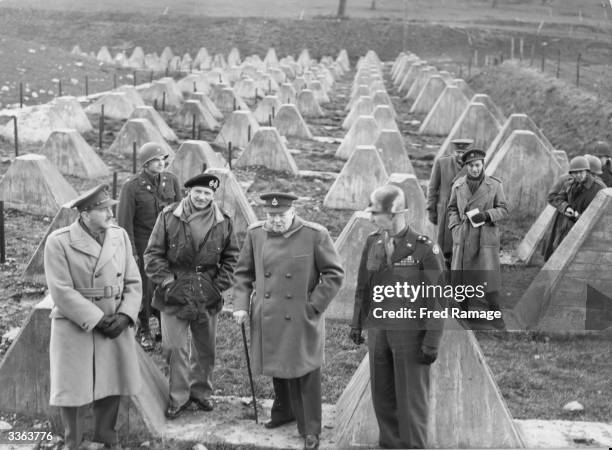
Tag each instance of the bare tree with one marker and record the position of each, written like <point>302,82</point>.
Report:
<point>341,8</point>
<point>373,5</point>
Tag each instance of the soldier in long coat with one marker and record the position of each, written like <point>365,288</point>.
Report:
<point>142,198</point>
<point>476,249</point>
<point>297,273</point>
<point>96,290</point>
<point>445,172</point>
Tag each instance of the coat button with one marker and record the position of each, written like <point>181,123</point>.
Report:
<point>287,318</point>
<point>97,275</point>
<point>288,296</point>
<point>288,275</point>
<point>267,295</point>
<point>267,274</point>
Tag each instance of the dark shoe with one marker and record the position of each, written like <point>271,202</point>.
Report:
<point>205,404</point>
<point>311,442</point>
<point>172,412</point>
<point>277,423</point>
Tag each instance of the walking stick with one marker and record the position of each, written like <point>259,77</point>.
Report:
<point>248,361</point>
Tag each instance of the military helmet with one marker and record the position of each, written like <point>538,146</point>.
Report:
<point>387,199</point>
<point>594,164</point>
<point>578,163</point>
<point>601,148</point>
<point>151,150</point>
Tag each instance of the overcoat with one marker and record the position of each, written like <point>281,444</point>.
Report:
<point>87,281</point>
<point>445,172</point>
<point>296,275</point>
<point>476,250</point>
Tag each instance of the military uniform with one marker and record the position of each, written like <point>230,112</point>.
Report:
<point>399,378</point>
<point>141,200</point>
<point>296,274</point>
<point>606,176</point>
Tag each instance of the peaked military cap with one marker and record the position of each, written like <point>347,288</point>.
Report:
<point>205,180</point>
<point>95,198</point>
<point>277,201</point>
<point>462,144</point>
<point>473,155</point>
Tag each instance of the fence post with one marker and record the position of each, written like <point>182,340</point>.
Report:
<point>249,133</point>
<point>21,95</point>
<point>193,127</point>
<point>521,46</point>
<point>532,54</point>
<point>558,62</point>
<point>578,69</point>
<point>101,127</point>
<point>86,86</point>
<point>164,101</point>
<point>134,74</point>
<point>134,151</point>
<point>16,135</point>
<point>512,48</point>
<point>229,154</point>
<point>59,88</point>
<point>543,58</point>
<point>2,240</point>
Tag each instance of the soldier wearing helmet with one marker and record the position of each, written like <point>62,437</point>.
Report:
<point>570,197</point>
<point>401,349</point>
<point>142,198</point>
<point>602,150</point>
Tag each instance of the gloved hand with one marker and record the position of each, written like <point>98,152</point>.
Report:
<point>427,355</point>
<point>433,217</point>
<point>240,316</point>
<point>119,323</point>
<point>481,217</point>
<point>356,337</point>
<point>104,323</point>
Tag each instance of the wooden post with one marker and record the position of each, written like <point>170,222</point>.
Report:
<point>115,185</point>
<point>532,54</point>
<point>166,71</point>
<point>273,113</point>
<point>86,86</point>
<point>229,154</point>
<point>249,133</point>
<point>164,101</point>
<point>2,240</point>
<point>543,58</point>
<point>155,104</point>
<point>195,88</point>
<point>234,107</point>
<point>512,48</point>
<point>134,78</point>
<point>16,136</point>
<point>21,95</point>
<point>558,62</point>
<point>269,120</point>
<point>193,127</point>
<point>199,132</point>
<point>521,46</point>
<point>469,64</point>
<point>134,157</point>
<point>578,69</point>
<point>59,88</point>
<point>101,127</point>
<point>115,80</point>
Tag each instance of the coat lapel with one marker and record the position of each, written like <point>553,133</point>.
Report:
<point>482,190</point>
<point>111,242</point>
<point>83,242</point>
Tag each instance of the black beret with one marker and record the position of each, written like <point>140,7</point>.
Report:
<point>205,180</point>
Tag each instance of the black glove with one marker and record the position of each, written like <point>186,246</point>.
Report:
<point>119,323</point>
<point>433,217</point>
<point>356,337</point>
<point>427,357</point>
<point>481,217</point>
<point>104,323</point>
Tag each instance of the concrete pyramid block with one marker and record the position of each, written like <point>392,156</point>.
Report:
<point>377,85</point>
<point>307,104</point>
<point>137,58</point>
<point>35,186</point>
<point>486,100</point>
<point>266,109</point>
<point>104,55</point>
<point>363,107</point>
<point>359,91</point>
<point>562,159</point>
<point>166,55</point>
<point>349,246</point>
<point>361,174</point>
<point>194,82</point>
<point>26,364</point>
<point>427,98</point>
<point>236,129</point>
<point>163,92</point>
<point>233,58</point>
<point>268,85</point>
<point>536,235</point>
<point>207,104</point>
<point>151,114</point>
<point>304,58</point>
<point>227,100</point>
<point>299,83</point>
<point>527,169</point>
<point>475,123</point>
<point>384,118</point>
<point>267,149</point>
<point>152,62</point>
<point>411,76</point>
<point>245,88</point>
<point>381,97</point>
<point>363,132</point>
<point>420,81</point>
<point>271,59</point>
<point>287,93</point>
<point>117,105</point>
<point>72,155</point>
<point>132,94</point>
<point>465,88</point>
<point>139,131</point>
<point>446,76</point>
<point>513,123</point>
<point>35,124</point>
<point>416,214</point>
<point>121,59</point>
<point>462,393</point>
<point>392,152</point>
<point>186,63</point>
<point>566,294</point>
<point>35,270</point>
<point>233,200</point>
<point>192,110</point>
<point>290,123</point>
<point>70,111</point>
<point>202,59</point>
<point>445,112</point>
<point>343,60</point>
<point>194,157</point>
<point>279,75</point>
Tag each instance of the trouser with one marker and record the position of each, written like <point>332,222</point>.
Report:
<point>106,412</point>
<point>400,387</point>
<point>299,399</point>
<point>191,364</point>
<point>146,311</point>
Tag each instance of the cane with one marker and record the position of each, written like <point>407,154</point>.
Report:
<point>248,361</point>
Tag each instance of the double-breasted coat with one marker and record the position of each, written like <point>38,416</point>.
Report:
<point>296,276</point>
<point>476,250</point>
<point>87,281</point>
<point>445,172</point>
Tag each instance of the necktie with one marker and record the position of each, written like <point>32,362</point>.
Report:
<point>389,247</point>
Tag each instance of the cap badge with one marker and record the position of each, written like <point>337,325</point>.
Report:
<point>213,184</point>
<point>274,202</point>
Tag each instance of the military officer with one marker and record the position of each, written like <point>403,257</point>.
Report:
<point>401,350</point>
<point>297,273</point>
<point>445,172</point>
<point>476,242</point>
<point>142,198</point>
<point>96,290</point>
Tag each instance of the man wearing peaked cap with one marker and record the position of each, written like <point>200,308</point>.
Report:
<point>191,257</point>
<point>96,290</point>
<point>444,173</point>
<point>476,242</point>
<point>297,273</point>
<point>142,198</point>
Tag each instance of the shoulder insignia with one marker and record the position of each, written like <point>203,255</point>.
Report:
<point>495,178</point>
<point>459,181</point>
<point>424,239</point>
<point>435,249</point>
<point>314,226</point>
<point>257,224</point>
<point>169,208</point>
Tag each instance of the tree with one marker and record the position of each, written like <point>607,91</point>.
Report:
<point>373,5</point>
<point>341,8</point>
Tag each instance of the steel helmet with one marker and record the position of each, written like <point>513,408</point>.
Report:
<point>388,199</point>
<point>578,163</point>
<point>594,164</point>
<point>151,150</point>
<point>601,148</point>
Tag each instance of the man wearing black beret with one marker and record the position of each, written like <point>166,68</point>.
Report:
<point>191,257</point>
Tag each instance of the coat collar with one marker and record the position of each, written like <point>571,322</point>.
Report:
<point>297,224</point>
<point>482,190</point>
<point>178,211</point>
<point>81,241</point>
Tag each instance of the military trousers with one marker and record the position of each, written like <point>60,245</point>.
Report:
<point>189,350</point>
<point>400,387</point>
<point>299,399</point>
<point>106,412</point>
<point>146,310</point>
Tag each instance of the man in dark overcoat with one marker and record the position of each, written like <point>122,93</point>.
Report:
<point>297,273</point>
